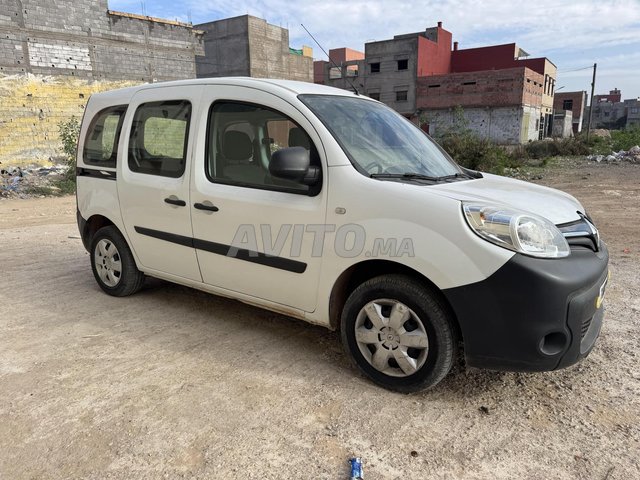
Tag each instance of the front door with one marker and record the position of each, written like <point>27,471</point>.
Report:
<point>153,181</point>
<point>254,233</point>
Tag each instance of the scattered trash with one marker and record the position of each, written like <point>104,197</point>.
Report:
<point>414,454</point>
<point>75,237</point>
<point>626,250</point>
<point>356,468</point>
<point>22,181</point>
<point>632,156</point>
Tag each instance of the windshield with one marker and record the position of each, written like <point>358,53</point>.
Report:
<point>379,141</point>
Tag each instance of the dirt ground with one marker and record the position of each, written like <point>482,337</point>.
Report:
<point>175,383</point>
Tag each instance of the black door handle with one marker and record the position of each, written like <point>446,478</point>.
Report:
<point>202,206</point>
<point>175,201</point>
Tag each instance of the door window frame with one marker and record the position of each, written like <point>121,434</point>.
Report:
<point>313,189</point>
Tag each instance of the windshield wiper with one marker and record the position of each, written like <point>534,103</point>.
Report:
<point>454,176</point>
<point>417,176</point>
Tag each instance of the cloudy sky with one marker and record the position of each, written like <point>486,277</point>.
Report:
<point>573,34</point>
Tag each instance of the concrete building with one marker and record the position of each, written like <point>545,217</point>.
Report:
<point>618,115</point>
<point>249,46</point>
<point>502,105</point>
<point>54,55</point>
<point>389,69</point>
<point>394,66</point>
<point>633,114</point>
<point>576,103</point>
<point>505,95</point>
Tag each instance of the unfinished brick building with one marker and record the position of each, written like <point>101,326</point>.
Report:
<point>503,95</point>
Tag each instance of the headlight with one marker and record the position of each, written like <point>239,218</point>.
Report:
<point>516,230</point>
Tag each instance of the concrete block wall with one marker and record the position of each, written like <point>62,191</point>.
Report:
<point>55,53</point>
<point>504,125</point>
<point>31,108</point>
<point>83,38</point>
<point>562,124</point>
<point>249,46</point>
<point>226,48</point>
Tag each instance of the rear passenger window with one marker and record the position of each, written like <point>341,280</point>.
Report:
<point>159,135</point>
<point>101,142</point>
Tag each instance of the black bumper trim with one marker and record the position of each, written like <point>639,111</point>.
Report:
<point>505,318</point>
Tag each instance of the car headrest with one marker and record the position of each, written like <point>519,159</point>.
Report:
<point>237,146</point>
<point>298,138</point>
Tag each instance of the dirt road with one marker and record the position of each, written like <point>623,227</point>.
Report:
<point>174,383</point>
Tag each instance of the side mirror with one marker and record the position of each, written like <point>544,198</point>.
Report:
<point>294,164</point>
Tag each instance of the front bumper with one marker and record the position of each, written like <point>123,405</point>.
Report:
<point>533,314</point>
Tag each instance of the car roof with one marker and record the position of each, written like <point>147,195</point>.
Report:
<point>282,87</point>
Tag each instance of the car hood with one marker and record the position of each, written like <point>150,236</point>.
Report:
<point>554,205</point>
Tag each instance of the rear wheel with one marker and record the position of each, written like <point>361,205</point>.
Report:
<point>113,265</point>
<point>398,333</point>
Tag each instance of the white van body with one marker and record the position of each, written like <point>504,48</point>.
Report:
<point>190,185</point>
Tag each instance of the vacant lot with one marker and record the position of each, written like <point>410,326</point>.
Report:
<point>174,383</point>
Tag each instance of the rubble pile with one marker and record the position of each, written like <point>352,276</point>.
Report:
<point>23,182</point>
<point>632,156</point>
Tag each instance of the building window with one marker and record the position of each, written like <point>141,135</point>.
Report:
<point>468,83</point>
<point>375,67</point>
<point>401,96</point>
<point>436,85</point>
<point>403,64</point>
<point>334,73</point>
<point>567,104</point>
<point>374,95</point>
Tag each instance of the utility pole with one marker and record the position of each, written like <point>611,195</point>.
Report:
<point>593,87</point>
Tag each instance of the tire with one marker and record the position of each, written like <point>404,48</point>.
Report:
<point>398,333</point>
<point>113,265</point>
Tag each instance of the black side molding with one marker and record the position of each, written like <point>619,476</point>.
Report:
<point>280,263</point>
<point>95,173</point>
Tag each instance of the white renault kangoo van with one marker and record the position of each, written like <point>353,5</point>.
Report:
<point>328,206</point>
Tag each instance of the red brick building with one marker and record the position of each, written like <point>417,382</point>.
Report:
<point>614,96</point>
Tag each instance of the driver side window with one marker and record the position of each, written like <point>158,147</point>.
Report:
<point>242,137</point>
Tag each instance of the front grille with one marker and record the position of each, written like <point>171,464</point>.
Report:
<point>586,323</point>
<point>581,234</point>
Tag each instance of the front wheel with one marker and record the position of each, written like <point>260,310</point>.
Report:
<point>113,265</point>
<point>398,333</point>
